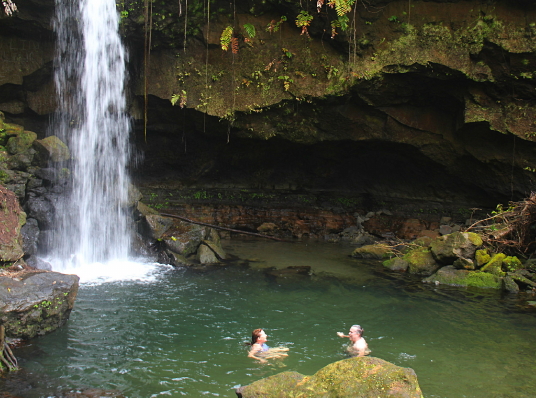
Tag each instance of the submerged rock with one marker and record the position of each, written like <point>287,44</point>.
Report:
<point>354,377</point>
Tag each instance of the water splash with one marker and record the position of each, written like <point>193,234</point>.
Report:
<point>91,119</point>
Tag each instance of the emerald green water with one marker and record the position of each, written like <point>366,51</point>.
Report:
<point>183,332</point>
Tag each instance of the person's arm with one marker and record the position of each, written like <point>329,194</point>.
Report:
<point>255,348</point>
<point>341,335</point>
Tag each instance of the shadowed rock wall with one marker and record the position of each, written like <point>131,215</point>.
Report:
<point>421,105</point>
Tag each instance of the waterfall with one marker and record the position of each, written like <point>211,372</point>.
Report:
<point>91,120</point>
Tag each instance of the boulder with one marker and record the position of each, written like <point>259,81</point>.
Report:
<point>206,256</point>
<point>158,225</point>
<point>376,251</point>
<point>184,238</point>
<point>459,277</point>
<point>51,149</point>
<point>446,249</point>
<point>366,377</point>
<point>42,209</point>
<point>421,262</point>
<point>30,236</point>
<point>36,303</point>
<point>21,161</point>
<point>21,142</point>
<point>396,264</point>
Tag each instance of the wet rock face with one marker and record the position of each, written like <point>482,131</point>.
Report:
<point>12,219</point>
<point>36,303</point>
<point>432,106</point>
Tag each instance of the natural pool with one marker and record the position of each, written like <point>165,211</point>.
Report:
<point>182,332</point>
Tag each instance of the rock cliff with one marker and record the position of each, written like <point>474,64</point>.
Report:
<point>421,106</point>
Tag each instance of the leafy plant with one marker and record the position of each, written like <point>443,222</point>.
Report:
<point>225,38</point>
<point>180,98</point>
<point>303,20</point>
<point>273,26</point>
<point>250,30</point>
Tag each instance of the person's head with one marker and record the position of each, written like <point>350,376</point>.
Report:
<point>355,332</point>
<point>258,334</point>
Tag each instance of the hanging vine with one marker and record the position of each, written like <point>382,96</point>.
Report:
<point>148,27</point>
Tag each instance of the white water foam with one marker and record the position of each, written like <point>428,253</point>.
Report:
<point>116,271</point>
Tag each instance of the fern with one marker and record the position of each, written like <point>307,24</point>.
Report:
<point>225,38</point>
<point>250,30</point>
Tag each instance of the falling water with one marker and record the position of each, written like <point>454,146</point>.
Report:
<point>91,119</point>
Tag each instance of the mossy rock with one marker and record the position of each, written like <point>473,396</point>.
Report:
<point>494,266</point>
<point>510,285</point>
<point>51,149</point>
<point>482,257</point>
<point>21,142</point>
<point>421,262</point>
<point>458,277</point>
<point>448,248</point>
<point>464,263</point>
<point>396,264</point>
<point>378,251</point>
<point>366,377</point>
<point>511,264</point>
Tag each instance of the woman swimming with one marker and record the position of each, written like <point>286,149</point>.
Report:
<point>260,350</point>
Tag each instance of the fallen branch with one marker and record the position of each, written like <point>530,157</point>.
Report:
<point>223,228</point>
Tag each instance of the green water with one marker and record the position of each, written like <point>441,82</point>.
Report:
<point>184,333</point>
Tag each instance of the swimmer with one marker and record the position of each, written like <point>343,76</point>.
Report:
<point>260,350</point>
<point>358,346</point>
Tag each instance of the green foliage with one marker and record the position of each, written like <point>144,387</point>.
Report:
<point>180,98</point>
<point>273,26</point>
<point>342,7</point>
<point>303,20</point>
<point>250,30</point>
<point>225,38</point>
<point>393,18</point>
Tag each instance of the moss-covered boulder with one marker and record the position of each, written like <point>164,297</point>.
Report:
<point>21,142</point>
<point>365,377</point>
<point>494,265</point>
<point>458,277</point>
<point>481,257</point>
<point>377,251</point>
<point>51,149</point>
<point>396,264</point>
<point>421,262</point>
<point>448,248</point>
<point>512,264</point>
